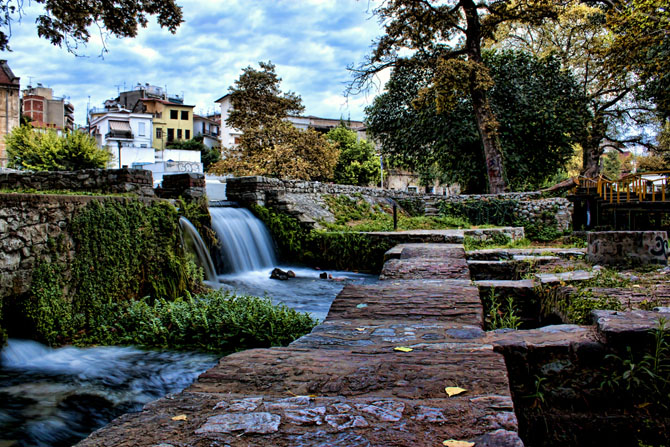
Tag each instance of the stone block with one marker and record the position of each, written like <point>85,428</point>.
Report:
<point>627,247</point>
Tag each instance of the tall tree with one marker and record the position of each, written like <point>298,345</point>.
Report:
<point>67,23</point>
<point>269,145</point>
<point>540,109</point>
<point>579,38</point>
<point>448,35</point>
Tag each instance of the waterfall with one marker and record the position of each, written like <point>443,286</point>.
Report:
<point>195,244</point>
<point>244,242</point>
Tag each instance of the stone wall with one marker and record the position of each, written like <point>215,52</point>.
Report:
<point>114,181</point>
<point>627,247</point>
<point>27,223</point>
<point>303,199</point>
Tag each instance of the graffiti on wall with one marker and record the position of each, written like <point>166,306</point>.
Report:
<point>626,247</point>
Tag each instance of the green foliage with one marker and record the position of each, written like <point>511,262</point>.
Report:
<point>495,240</point>
<point>539,108</point>
<point>542,229</point>
<point>641,379</point>
<point>46,151</point>
<point>499,314</point>
<point>413,207</point>
<point>69,24</point>
<point>339,250</point>
<point>498,212</point>
<point>216,321</point>
<point>612,165</point>
<point>579,307</point>
<point>357,164</point>
<point>354,213</point>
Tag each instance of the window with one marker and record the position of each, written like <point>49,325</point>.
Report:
<point>179,134</point>
<point>174,114</point>
<point>159,133</point>
<point>187,134</point>
<point>237,140</point>
<point>184,115</point>
<point>141,129</point>
<point>170,135</point>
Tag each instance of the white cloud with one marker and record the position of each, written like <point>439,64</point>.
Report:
<point>311,42</point>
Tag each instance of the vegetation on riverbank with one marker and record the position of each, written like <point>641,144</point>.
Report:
<point>326,249</point>
<point>121,276</point>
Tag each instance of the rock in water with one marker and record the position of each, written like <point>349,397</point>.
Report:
<point>278,273</point>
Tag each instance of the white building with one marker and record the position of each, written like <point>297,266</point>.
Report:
<point>208,128</point>
<point>126,135</point>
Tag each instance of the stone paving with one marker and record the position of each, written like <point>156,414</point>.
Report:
<point>374,373</point>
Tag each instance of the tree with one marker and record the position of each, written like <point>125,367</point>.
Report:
<point>47,151</point>
<point>540,109</point>
<point>67,23</point>
<point>357,164</point>
<point>579,38</point>
<point>612,165</point>
<point>269,145</point>
<point>448,35</point>
<point>641,44</point>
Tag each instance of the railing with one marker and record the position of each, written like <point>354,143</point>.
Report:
<point>638,187</point>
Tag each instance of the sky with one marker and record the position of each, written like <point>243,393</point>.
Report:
<point>311,42</point>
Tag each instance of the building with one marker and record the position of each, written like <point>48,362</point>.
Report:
<point>126,135</point>
<point>230,137</point>
<point>10,110</point>
<point>171,121</point>
<point>208,128</point>
<point>47,111</point>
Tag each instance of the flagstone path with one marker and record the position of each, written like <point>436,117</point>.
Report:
<point>373,373</point>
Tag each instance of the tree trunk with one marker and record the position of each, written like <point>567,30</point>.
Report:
<point>592,148</point>
<point>488,131</point>
<point>486,121</point>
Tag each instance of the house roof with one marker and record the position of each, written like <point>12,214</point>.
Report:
<point>223,97</point>
<point>162,101</point>
<point>7,77</point>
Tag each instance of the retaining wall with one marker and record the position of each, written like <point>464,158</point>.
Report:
<point>303,199</point>
<point>109,181</point>
<point>32,226</point>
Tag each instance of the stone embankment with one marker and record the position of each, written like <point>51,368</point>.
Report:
<point>350,382</point>
<point>305,200</point>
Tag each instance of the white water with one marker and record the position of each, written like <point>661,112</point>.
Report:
<point>54,397</point>
<point>244,243</point>
<point>192,239</point>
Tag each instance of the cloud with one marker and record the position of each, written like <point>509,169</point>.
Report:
<point>311,42</point>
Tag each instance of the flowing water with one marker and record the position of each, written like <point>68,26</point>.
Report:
<point>55,397</point>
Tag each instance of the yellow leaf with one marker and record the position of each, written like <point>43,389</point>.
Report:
<point>181,417</point>
<point>360,329</point>
<point>454,443</point>
<point>454,390</point>
<point>403,349</point>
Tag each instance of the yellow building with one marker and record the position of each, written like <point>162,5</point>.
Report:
<point>171,121</point>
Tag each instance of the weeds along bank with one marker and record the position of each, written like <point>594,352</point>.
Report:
<point>112,270</point>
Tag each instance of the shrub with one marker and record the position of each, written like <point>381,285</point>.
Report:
<point>47,151</point>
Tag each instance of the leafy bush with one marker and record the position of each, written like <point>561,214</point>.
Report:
<point>216,321</point>
<point>47,151</point>
<point>357,163</point>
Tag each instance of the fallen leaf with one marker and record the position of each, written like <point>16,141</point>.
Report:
<point>181,417</point>
<point>636,286</point>
<point>403,349</point>
<point>361,306</point>
<point>454,390</point>
<point>454,443</point>
<point>360,329</point>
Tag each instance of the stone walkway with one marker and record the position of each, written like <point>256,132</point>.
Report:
<point>373,373</point>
